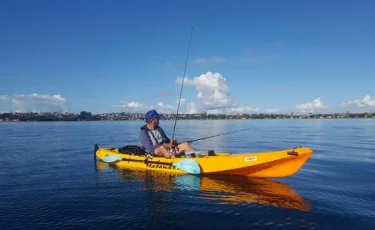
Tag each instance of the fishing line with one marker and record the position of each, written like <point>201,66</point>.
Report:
<point>203,138</point>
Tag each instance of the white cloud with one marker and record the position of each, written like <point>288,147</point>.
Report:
<point>165,108</point>
<point>213,92</point>
<point>367,101</point>
<point>131,104</point>
<point>192,108</point>
<point>240,109</point>
<point>182,101</point>
<point>140,108</point>
<point>209,60</point>
<point>213,95</point>
<point>316,104</point>
<point>3,98</point>
<point>39,103</point>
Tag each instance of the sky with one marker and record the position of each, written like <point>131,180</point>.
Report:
<point>245,56</point>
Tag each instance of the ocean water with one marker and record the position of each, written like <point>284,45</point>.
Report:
<point>50,180</point>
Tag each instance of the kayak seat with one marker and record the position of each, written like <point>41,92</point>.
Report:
<point>132,149</point>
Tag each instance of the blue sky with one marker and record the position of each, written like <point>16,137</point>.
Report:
<point>245,56</point>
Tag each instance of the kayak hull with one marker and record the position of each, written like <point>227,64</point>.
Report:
<point>275,164</point>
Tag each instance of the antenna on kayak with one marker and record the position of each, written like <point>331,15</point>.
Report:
<point>182,85</point>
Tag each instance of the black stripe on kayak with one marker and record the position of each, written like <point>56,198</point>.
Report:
<point>153,164</point>
<point>147,161</point>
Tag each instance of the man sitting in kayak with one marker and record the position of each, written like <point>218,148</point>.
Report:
<point>154,141</point>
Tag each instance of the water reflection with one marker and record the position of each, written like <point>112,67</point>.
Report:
<point>221,189</point>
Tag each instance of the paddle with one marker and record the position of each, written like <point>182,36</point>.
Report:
<point>188,165</point>
<point>111,158</point>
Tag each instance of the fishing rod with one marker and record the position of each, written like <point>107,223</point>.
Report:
<point>216,135</point>
<point>182,85</point>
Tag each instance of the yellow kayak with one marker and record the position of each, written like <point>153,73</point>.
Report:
<point>275,164</point>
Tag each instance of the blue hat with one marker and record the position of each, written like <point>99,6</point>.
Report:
<point>152,114</point>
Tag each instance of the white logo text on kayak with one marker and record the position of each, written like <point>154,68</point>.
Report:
<point>253,158</point>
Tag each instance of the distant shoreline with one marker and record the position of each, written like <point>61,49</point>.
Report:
<point>87,116</point>
<point>29,121</point>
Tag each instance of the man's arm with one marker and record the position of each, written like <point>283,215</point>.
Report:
<point>146,142</point>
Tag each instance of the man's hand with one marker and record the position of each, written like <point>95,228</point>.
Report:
<point>174,142</point>
<point>167,145</point>
<point>171,144</point>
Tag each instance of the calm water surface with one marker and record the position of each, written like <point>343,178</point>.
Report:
<point>49,179</point>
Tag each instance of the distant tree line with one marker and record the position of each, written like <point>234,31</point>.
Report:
<point>83,116</point>
<point>88,116</point>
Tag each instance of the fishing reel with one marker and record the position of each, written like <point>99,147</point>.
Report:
<point>174,149</point>
<point>173,152</point>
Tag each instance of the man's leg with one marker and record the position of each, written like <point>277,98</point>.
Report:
<point>185,147</point>
<point>162,151</point>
